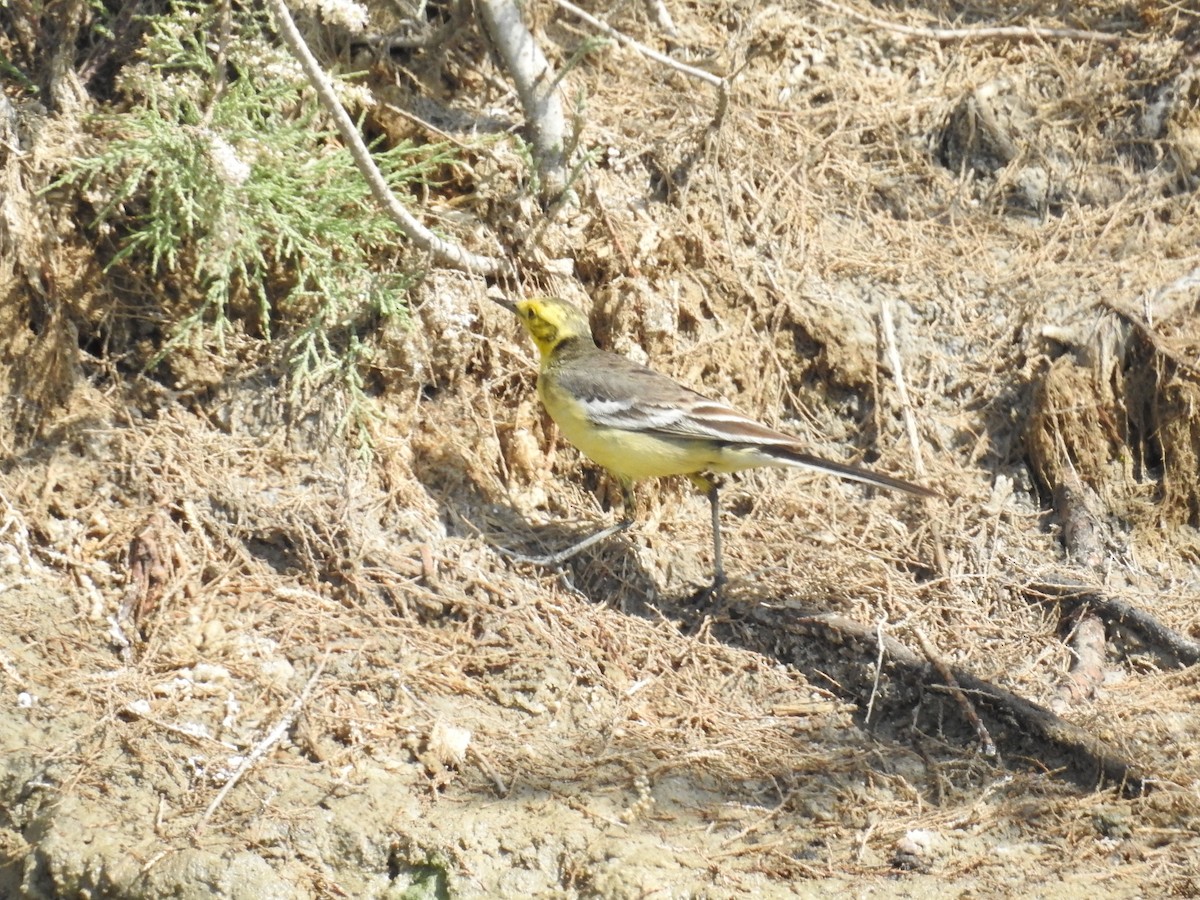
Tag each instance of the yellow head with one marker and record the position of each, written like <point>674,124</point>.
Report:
<point>551,321</point>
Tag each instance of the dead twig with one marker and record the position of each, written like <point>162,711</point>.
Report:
<point>485,766</point>
<point>1080,527</point>
<point>148,573</point>
<point>662,17</point>
<point>997,33</point>
<point>888,327</point>
<point>432,129</point>
<point>1087,669</point>
<point>878,669</point>
<point>273,737</point>
<point>621,38</point>
<point>1119,612</point>
<point>220,67</point>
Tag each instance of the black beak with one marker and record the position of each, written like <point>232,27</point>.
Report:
<point>506,303</point>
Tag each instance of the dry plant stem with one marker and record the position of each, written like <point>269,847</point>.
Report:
<point>148,575</point>
<point>881,644</point>
<point>721,84</point>
<point>224,30</point>
<point>536,85</point>
<point>1089,754</point>
<point>442,251</point>
<point>1000,33</point>
<point>485,766</point>
<point>260,749</point>
<point>1110,609</point>
<point>986,744</point>
<point>428,126</point>
<point>603,27</point>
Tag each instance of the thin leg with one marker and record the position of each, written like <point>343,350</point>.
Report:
<point>714,498</point>
<point>710,489</point>
<point>628,501</point>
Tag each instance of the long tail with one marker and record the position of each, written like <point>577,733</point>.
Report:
<point>791,457</point>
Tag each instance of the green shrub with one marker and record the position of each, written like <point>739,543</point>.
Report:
<point>223,171</point>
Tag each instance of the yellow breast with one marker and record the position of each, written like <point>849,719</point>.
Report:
<point>627,454</point>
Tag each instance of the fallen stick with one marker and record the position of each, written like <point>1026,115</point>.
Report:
<point>273,737</point>
<point>1087,668</point>
<point>1116,611</point>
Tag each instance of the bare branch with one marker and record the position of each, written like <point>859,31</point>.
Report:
<point>441,250</point>
<point>536,85</point>
<point>662,17</point>
<point>1120,612</point>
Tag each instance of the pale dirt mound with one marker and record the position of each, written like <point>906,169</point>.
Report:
<point>199,580</point>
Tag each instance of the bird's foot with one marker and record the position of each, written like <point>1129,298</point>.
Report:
<point>706,598</point>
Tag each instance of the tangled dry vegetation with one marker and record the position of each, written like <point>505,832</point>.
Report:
<point>241,659</point>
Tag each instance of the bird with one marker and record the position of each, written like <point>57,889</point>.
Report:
<point>640,424</point>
